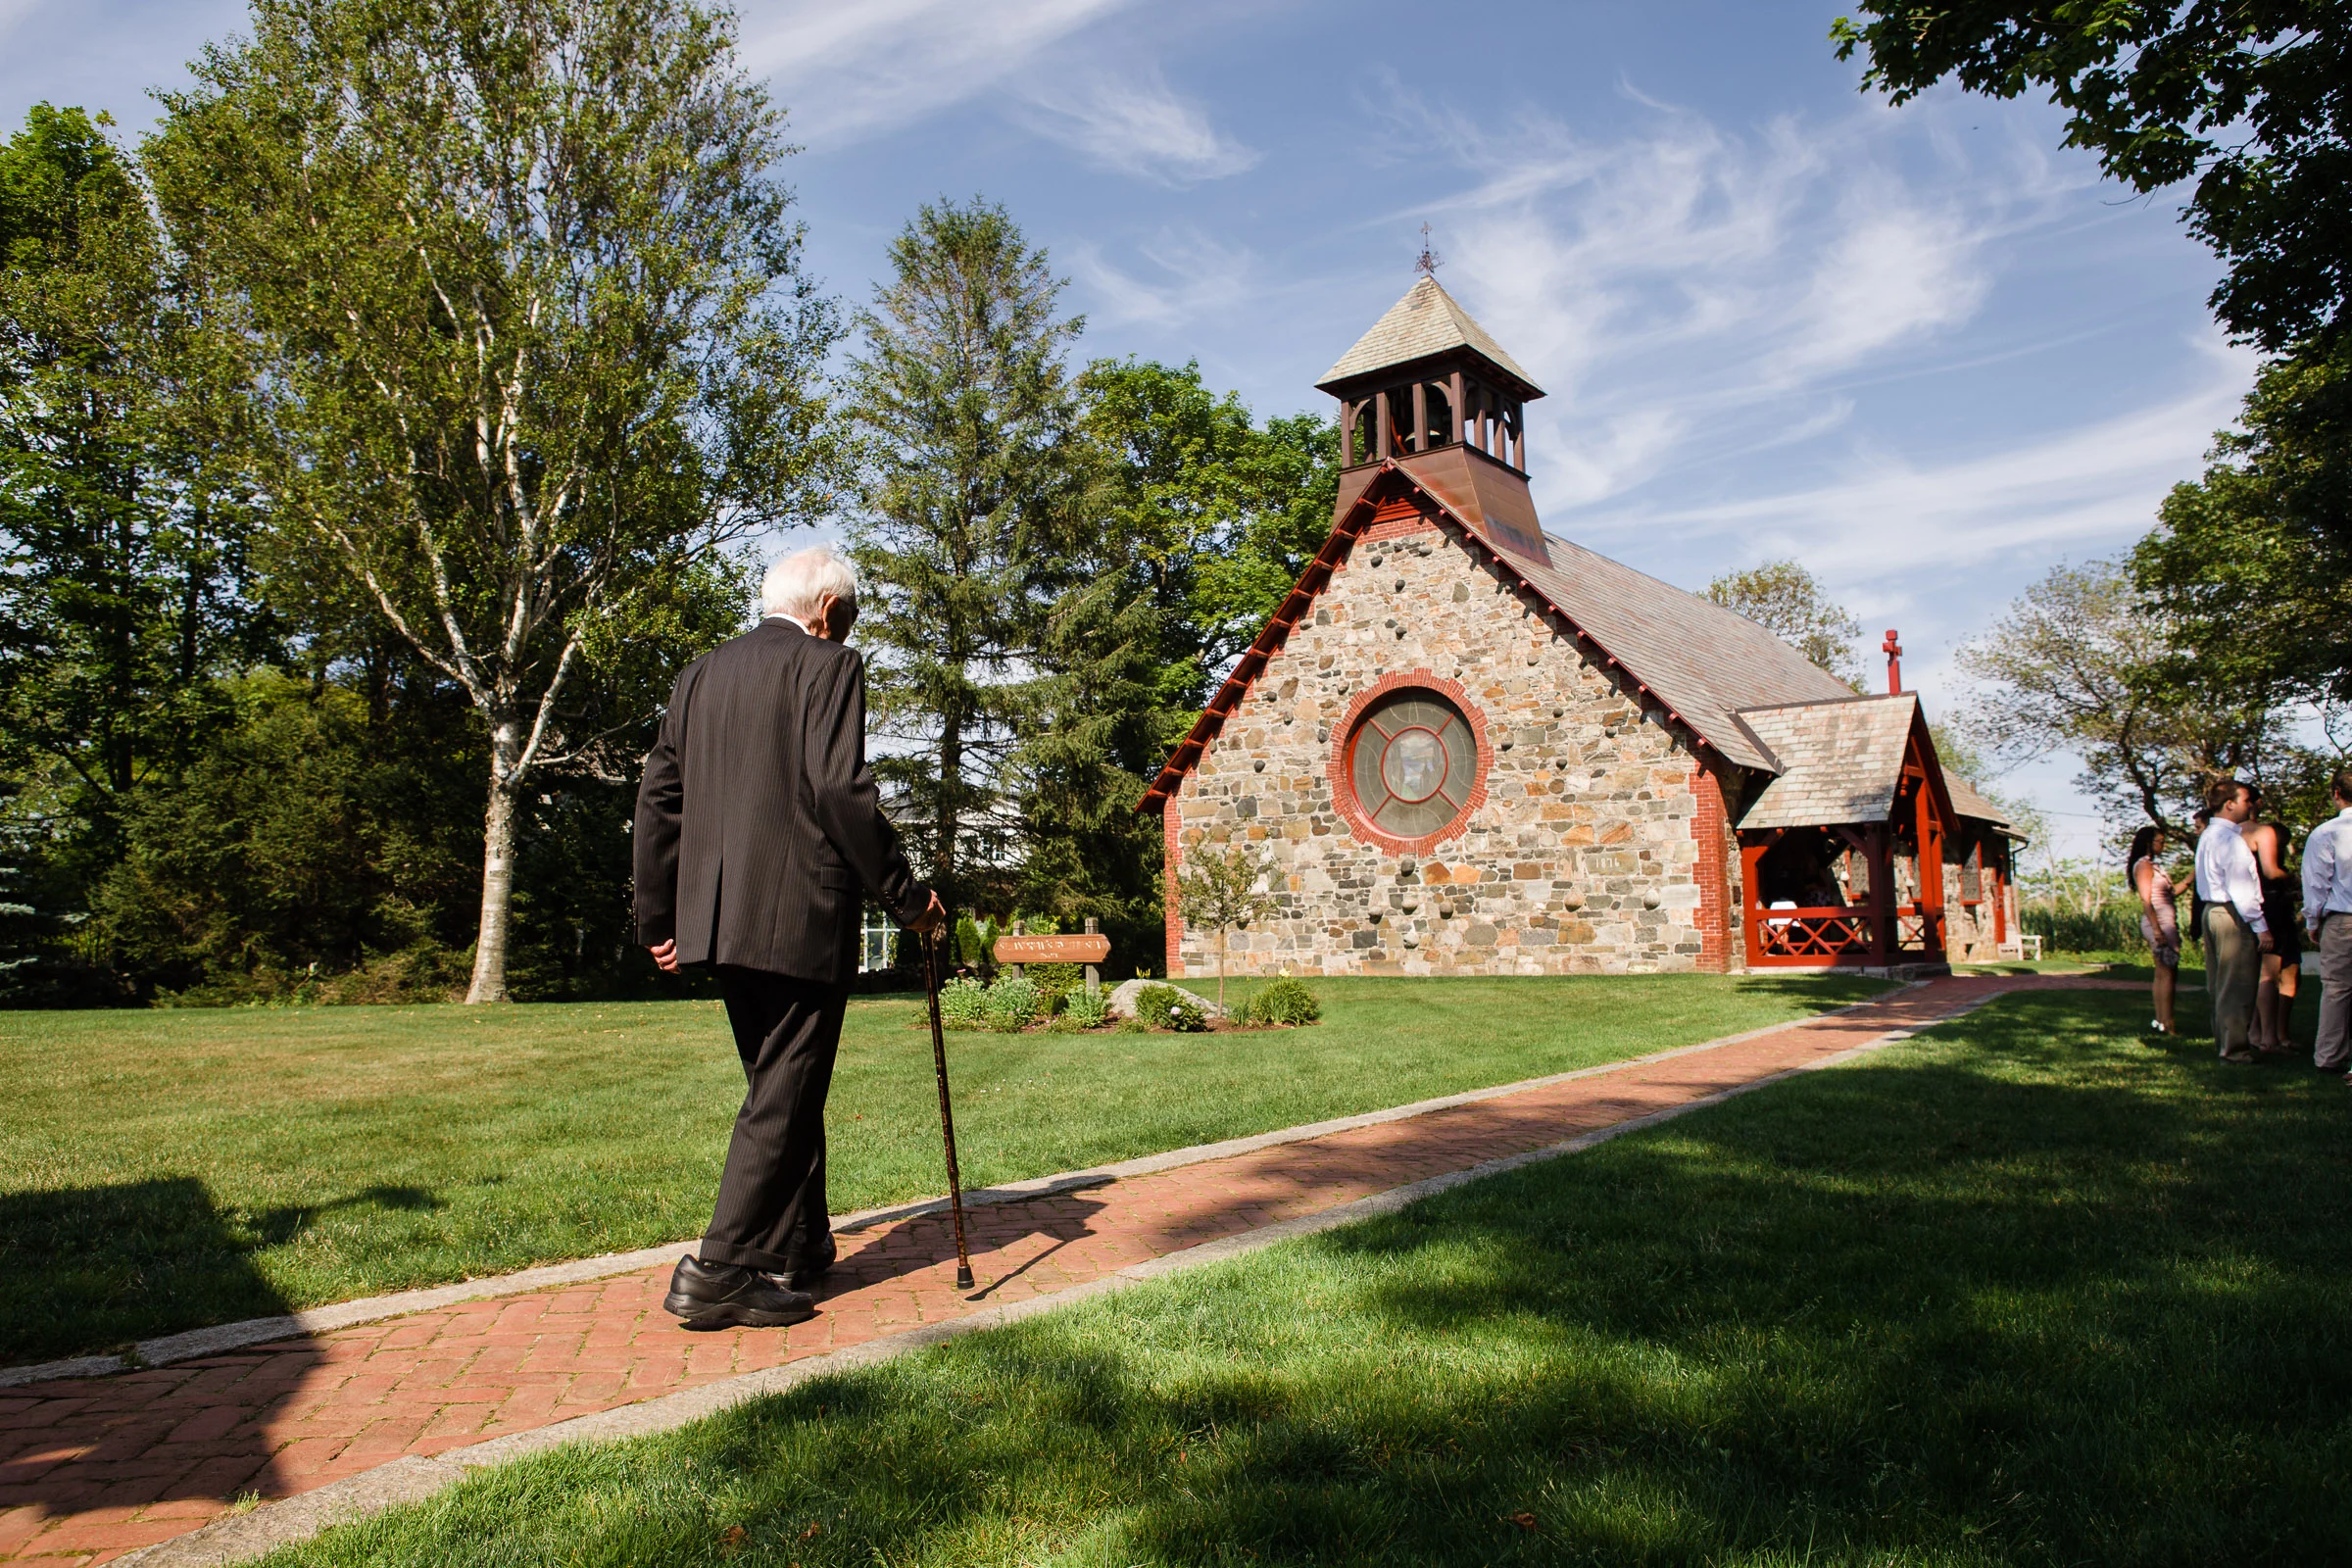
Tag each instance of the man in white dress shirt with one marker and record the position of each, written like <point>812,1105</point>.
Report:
<point>2235,934</point>
<point>2328,893</point>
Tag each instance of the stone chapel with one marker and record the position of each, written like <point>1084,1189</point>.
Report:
<point>1465,746</point>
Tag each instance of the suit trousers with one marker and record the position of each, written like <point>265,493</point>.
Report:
<point>2232,973</point>
<point>2335,1041</point>
<point>771,1210</point>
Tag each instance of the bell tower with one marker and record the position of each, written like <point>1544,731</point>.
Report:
<point>1428,391</point>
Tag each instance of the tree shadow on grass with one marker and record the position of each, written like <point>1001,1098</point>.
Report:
<point>94,1268</point>
<point>2054,1300</point>
<point>91,1268</point>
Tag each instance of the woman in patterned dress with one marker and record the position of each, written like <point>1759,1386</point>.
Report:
<point>2143,868</point>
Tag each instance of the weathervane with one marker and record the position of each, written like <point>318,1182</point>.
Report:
<point>1428,260</point>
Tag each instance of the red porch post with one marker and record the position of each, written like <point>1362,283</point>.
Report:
<point>1751,856</point>
<point>1929,834</point>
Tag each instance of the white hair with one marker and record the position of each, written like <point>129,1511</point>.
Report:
<point>799,582</point>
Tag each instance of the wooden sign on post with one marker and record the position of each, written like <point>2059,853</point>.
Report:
<point>1052,949</point>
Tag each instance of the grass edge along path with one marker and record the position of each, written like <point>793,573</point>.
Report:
<point>2061,1393</point>
<point>1703,1083</point>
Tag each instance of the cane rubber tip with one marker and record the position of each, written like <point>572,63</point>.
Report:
<point>964,1279</point>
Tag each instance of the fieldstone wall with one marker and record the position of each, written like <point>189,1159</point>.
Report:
<point>1583,857</point>
<point>1968,928</point>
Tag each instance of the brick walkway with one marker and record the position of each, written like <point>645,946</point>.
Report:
<point>93,1468</point>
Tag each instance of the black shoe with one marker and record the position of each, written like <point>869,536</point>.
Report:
<point>720,1296</point>
<point>2336,1067</point>
<point>808,1274</point>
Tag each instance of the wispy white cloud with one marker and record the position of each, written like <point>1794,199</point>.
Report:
<point>1887,523</point>
<point>1892,270</point>
<point>1190,274</point>
<point>846,70</point>
<point>1134,124</point>
<point>1686,289</point>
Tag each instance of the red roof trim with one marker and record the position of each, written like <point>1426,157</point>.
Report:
<point>1310,585</point>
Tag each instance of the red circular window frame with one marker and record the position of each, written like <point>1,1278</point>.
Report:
<point>1343,777</point>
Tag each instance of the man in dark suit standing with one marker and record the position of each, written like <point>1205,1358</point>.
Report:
<point>759,834</point>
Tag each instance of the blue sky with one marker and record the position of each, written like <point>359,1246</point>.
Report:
<point>1924,351</point>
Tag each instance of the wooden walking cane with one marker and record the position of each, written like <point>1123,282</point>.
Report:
<point>947,1117</point>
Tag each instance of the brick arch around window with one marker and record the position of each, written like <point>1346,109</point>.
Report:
<point>1342,782</point>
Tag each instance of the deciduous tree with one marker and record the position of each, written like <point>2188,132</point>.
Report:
<point>1787,600</point>
<point>2252,561</point>
<point>2083,663</point>
<point>532,344</point>
<point>1209,513</point>
<point>1222,889</point>
<point>124,580</point>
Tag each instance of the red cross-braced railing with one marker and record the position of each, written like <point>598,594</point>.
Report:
<point>1840,934</point>
<point>1816,936</point>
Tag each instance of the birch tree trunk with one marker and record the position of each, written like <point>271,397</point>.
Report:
<point>489,982</point>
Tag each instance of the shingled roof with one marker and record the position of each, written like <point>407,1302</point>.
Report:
<point>1425,322</point>
<point>1969,803</point>
<point>1704,662</point>
<point>1840,760</point>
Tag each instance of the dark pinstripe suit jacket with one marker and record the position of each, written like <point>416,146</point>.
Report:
<point>758,824</point>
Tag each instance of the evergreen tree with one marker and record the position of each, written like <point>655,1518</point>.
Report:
<point>1094,739</point>
<point>970,501</point>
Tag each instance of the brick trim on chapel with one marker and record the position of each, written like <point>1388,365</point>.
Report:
<point>1467,747</point>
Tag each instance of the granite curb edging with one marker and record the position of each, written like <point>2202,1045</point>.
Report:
<point>192,1344</point>
<point>411,1479</point>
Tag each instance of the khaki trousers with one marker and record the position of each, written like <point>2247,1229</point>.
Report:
<point>2335,1041</point>
<point>2232,973</point>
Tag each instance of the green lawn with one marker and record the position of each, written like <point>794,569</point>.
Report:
<point>163,1170</point>
<point>2028,1289</point>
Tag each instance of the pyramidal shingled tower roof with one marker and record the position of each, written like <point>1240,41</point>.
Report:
<point>1426,321</point>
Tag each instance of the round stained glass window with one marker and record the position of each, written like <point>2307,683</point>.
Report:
<point>1414,763</point>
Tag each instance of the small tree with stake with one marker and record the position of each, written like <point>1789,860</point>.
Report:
<point>1221,889</point>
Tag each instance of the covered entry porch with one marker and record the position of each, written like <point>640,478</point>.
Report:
<point>1841,854</point>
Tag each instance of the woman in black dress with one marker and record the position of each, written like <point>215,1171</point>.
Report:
<point>2282,902</point>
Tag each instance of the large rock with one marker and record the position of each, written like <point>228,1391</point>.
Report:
<point>1123,995</point>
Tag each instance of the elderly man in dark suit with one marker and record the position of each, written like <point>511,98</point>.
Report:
<point>760,835</point>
